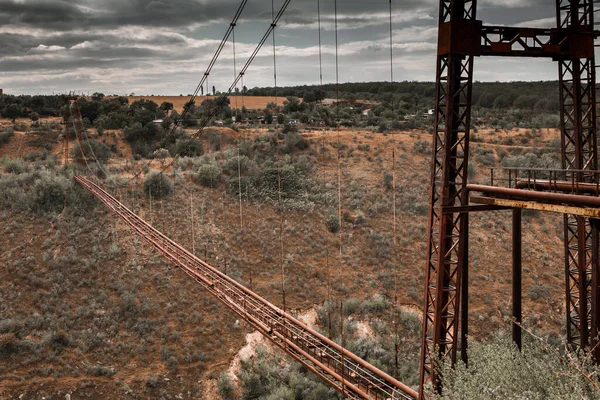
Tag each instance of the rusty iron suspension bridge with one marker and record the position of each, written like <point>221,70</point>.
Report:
<point>573,191</point>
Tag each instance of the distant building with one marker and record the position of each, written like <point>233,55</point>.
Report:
<point>366,112</point>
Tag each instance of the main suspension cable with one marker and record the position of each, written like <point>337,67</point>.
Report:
<point>234,66</point>
<point>274,25</point>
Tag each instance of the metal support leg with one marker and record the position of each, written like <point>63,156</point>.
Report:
<point>517,277</point>
<point>464,302</point>
<point>595,301</point>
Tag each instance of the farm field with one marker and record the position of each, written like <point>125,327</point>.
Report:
<point>250,102</point>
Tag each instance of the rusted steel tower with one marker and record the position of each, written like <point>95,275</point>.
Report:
<point>462,38</point>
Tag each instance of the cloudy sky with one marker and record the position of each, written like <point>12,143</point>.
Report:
<point>163,46</point>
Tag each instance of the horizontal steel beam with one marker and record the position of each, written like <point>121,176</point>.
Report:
<point>473,208</point>
<point>534,205</point>
<point>573,200</point>
<point>472,38</point>
<point>343,370</point>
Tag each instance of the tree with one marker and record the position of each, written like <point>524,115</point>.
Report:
<point>269,117</point>
<point>143,116</point>
<point>157,184</point>
<point>91,149</point>
<point>292,104</point>
<point>309,97</point>
<point>13,111</point>
<point>214,91</point>
<point>98,96</point>
<point>166,106</point>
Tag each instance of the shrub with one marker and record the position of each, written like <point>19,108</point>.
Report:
<point>388,180</point>
<point>92,150</point>
<point>13,166</point>
<point>538,291</point>
<point>231,164</point>
<point>152,382</point>
<point>498,370</point>
<point>137,131</point>
<point>215,139</point>
<point>5,136</point>
<point>49,193</point>
<point>183,147</point>
<point>97,370</point>
<point>266,183</point>
<point>209,175</point>
<point>141,148</point>
<point>59,340</point>
<point>161,154</point>
<point>8,344</point>
<point>225,386</point>
<point>422,147</point>
<point>157,184</point>
<point>36,156</point>
<point>333,223</point>
<point>293,142</point>
<point>531,160</point>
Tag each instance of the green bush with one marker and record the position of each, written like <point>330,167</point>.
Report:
<point>266,377</point>
<point>538,291</point>
<point>183,147</point>
<point>225,386</point>
<point>157,184</point>
<point>266,183</point>
<point>8,344</point>
<point>422,147</point>
<point>5,136</point>
<point>137,131</point>
<point>498,370</point>
<point>388,180</point>
<point>232,162</point>
<point>43,191</point>
<point>209,175</point>
<point>14,166</point>
<point>49,193</point>
<point>294,142</point>
<point>531,160</point>
<point>333,222</point>
<point>92,150</point>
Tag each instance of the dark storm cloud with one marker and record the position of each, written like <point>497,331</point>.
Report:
<point>87,14</point>
<point>47,13</point>
<point>163,46</point>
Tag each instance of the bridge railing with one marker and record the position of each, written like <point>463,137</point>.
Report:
<point>570,181</point>
<point>343,370</point>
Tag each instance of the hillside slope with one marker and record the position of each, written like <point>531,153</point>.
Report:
<point>88,309</point>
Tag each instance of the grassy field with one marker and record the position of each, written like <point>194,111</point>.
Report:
<point>250,102</point>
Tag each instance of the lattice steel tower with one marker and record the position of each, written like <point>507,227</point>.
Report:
<point>462,38</point>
